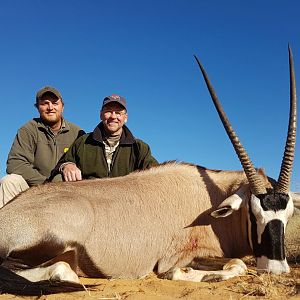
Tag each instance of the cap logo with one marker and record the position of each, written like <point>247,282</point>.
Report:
<point>115,97</point>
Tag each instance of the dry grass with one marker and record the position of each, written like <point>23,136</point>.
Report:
<point>267,285</point>
<point>292,238</point>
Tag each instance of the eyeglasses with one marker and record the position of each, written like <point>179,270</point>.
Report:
<point>118,113</point>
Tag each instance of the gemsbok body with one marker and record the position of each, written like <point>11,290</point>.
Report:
<point>161,219</point>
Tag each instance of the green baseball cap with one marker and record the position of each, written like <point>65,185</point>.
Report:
<point>48,89</point>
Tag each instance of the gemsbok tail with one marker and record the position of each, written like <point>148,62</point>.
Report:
<point>11,283</point>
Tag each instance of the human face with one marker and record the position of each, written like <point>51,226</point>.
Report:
<point>113,116</point>
<point>51,109</point>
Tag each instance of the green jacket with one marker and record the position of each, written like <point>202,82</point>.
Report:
<point>88,153</point>
<point>36,150</point>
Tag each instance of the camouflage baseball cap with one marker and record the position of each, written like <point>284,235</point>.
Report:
<point>114,98</point>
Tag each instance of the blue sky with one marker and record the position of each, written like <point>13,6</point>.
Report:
<point>143,50</point>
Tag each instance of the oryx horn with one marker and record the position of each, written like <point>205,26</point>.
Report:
<point>283,184</point>
<point>256,184</point>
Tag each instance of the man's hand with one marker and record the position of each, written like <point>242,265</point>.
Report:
<point>71,172</point>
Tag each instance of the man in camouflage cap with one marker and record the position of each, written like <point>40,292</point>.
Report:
<point>110,150</point>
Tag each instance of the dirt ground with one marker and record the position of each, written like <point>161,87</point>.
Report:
<point>249,286</point>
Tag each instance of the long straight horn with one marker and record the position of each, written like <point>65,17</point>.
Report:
<point>256,184</point>
<point>283,185</point>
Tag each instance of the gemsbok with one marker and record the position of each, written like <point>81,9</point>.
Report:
<point>159,220</point>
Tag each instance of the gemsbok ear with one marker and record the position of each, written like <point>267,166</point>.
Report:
<point>222,212</point>
<point>230,204</point>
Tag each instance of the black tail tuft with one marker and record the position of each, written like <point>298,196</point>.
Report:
<point>12,283</point>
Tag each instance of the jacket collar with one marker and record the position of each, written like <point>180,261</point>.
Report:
<point>64,126</point>
<point>127,137</point>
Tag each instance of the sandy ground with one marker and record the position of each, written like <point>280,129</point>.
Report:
<point>249,286</point>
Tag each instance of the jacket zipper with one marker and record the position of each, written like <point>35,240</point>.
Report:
<point>113,161</point>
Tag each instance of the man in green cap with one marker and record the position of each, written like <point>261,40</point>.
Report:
<point>38,145</point>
